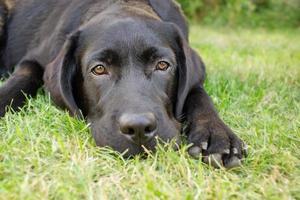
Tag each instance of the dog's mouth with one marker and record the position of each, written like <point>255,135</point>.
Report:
<point>150,147</point>
<point>139,144</point>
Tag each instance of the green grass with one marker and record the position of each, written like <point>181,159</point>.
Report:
<point>254,80</point>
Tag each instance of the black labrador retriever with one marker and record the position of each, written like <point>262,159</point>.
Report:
<point>124,65</point>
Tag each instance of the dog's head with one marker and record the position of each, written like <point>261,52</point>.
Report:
<point>129,77</point>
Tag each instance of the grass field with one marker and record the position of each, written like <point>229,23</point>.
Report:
<point>254,80</point>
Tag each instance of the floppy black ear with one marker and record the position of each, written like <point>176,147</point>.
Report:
<point>191,73</point>
<point>170,11</point>
<point>60,76</point>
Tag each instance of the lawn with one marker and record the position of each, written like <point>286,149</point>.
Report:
<point>254,80</point>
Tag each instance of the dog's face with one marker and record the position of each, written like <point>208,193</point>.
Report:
<point>123,76</point>
<point>129,80</point>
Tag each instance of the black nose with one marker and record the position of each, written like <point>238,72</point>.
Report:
<point>138,127</point>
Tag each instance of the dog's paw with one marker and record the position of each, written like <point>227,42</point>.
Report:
<point>216,144</point>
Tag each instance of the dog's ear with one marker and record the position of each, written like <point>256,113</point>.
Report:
<point>60,76</point>
<point>170,11</point>
<point>190,73</point>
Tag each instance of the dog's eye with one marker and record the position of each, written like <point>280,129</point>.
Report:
<point>162,66</point>
<point>99,70</point>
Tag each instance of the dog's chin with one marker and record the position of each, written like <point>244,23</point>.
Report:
<point>144,150</point>
<point>129,149</point>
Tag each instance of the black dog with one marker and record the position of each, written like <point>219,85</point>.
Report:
<point>125,65</point>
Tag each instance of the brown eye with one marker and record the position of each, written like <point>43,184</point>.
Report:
<point>99,70</point>
<point>162,65</point>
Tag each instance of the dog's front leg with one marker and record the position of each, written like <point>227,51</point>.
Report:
<point>26,80</point>
<point>210,137</point>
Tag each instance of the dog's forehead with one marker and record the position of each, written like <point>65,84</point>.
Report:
<point>126,36</point>
<point>126,33</point>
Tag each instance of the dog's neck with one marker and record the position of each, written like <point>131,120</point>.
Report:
<point>140,7</point>
<point>121,8</point>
